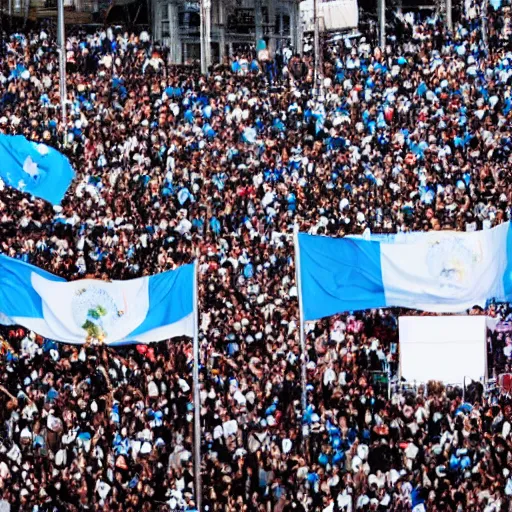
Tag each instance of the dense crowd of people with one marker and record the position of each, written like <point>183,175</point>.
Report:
<point>172,166</point>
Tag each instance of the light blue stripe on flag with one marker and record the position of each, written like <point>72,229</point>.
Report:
<point>34,168</point>
<point>339,275</point>
<point>166,307</point>
<point>140,310</point>
<point>16,298</point>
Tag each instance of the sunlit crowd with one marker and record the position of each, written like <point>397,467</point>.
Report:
<point>172,166</point>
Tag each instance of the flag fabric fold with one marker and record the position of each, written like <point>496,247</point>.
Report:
<point>142,310</point>
<point>34,168</point>
<point>444,273</point>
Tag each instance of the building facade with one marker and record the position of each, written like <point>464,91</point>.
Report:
<point>233,25</point>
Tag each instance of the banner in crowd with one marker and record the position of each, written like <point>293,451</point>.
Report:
<point>446,274</point>
<point>431,348</point>
<point>34,168</point>
<point>142,310</point>
<point>336,15</point>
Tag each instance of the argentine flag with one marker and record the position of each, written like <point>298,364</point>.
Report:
<point>443,272</point>
<point>142,310</point>
<point>34,168</point>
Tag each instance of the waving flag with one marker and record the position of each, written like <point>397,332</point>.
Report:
<point>446,273</point>
<point>142,310</point>
<point>34,168</point>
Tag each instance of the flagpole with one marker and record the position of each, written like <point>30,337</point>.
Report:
<point>381,5</point>
<point>205,35</point>
<point>62,66</point>
<point>302,337</point>
<point>197,399</point>
<point>316,44</point>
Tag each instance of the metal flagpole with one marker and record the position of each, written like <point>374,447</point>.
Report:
<point>449,22</point>
<point>197,398</point>
<point>382,24</point>
<point>205,35</point>
<point>204,67</point>
<point>62,66</point>
<point>207,32</point>
<point>316,41</point>
<point>302,336</point>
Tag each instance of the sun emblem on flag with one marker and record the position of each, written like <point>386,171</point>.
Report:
<point>452,260</point>
<point>96,312</point>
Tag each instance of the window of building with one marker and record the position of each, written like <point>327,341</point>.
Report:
<point>166,29</point>
<point>164,16</point>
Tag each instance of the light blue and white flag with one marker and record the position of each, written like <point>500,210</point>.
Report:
<point>34,168</point>
<point>445,273</point>
<point>142,310</point>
